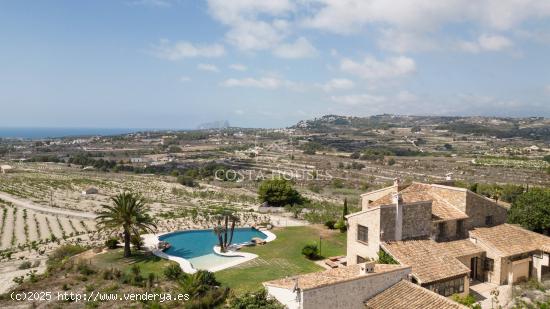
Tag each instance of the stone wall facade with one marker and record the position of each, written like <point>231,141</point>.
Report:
<point>381,223</point>
<point>479,207</point>
<point>417,219</point>
<point>352,293</point>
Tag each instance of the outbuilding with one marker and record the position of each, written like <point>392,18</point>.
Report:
<point>6,168</point>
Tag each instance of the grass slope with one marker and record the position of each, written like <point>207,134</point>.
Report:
<point>147,262</point>
<point>282,257</point>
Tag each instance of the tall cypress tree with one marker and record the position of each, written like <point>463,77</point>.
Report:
<point>345,211</point>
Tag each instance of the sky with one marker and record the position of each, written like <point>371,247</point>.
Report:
<point>268,63</point>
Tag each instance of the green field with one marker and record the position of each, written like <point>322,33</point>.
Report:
<point>282,257</point>
<point>277,259</point>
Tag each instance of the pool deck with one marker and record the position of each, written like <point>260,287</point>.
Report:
<point>151,242</point>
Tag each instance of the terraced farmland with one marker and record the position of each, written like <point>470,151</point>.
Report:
<point>21,227</point>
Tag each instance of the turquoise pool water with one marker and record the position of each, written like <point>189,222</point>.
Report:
<point>194,244</point>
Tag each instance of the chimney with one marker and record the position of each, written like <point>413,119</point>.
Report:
<point>367,268</point>
<point>396,182</point>
<point>398,201</point>
<point>449,176</point>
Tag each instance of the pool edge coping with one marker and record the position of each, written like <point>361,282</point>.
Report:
<point>151,242</point>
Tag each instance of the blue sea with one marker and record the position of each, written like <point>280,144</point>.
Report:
<point>38,133</point>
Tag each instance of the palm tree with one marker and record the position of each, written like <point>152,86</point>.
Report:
<point>234,219</point>
<point>129,213</point>
<point>219,230</point>
<point>222,230</point>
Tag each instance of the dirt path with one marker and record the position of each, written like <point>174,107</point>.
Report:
<point>66,225</point>
<point>9,270</point>
<point>33,234</point>
<point>7,229</point>
<point>44,231</point>
<point>20,228</point>
<point>54,211</point>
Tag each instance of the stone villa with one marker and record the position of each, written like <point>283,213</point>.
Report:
<point>448,235</point>
<point>446,238</point>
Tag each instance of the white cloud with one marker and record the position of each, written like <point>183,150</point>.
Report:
<point>301,48</point>
<point>238,67</point>
<point>486,43</point>
<point>208,67</point>
<point>405,96</point>
<point>348,16</point>
<point>359,99</point>
<point>538,36</point>
<point>239,112</point>
<point>247,31</point>
<point>338,84</point>
<point>184,79</point>
<point>183,49</point>
<point>415,25</point>
<point>372,69</point>
<point>547,89</point>
<point>406,41</point>
<point>263,83</point>
<point>255,35</point>
<point>230,12</point>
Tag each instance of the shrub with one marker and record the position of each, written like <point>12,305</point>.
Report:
<point>187,181</point>
<point>111,243</point>
<point>135,269</point>
<point>311,251</point>
<point>337,183</point>
<point>357,166</point>
<point>206,278</point>
<point>61,255</point>
<point>254,300</point>
<point>531,209</point>
<point>391,161</point>
<point>84,269</point>
<point>136,241</point>
<point>341,225</point>
<point>330,224</point>
<point>468,300</point>
<point>19,280</point>
<point>173,272</point>
<point>25,265</point>
<point>384,258</point>
<point>108,274</point>
<point>315,188</point>
<point>279,192</point>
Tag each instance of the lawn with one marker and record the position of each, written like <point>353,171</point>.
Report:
<point>147,262</point>
<point>278,259</point>
<point>282,257</point>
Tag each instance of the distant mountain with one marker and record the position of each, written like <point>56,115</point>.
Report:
<point>502,127</point>
<point>214,125</point>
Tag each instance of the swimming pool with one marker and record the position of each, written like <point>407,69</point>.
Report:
<point>193,244</point>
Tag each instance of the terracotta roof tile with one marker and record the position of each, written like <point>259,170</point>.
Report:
<point>442,209</point>
<point>407,295</point>
<point>430,260</point>
<point>331,276</point>
<point>510,239</point>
